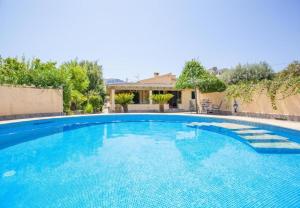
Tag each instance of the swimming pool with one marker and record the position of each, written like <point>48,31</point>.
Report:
<point>148,160</point>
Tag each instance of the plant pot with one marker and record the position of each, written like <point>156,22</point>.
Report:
<point>125,108</point>
<point>161,108</point>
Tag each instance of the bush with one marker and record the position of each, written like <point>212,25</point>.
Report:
<point>89,108</point>
<point>77,79</point>
<point>96,101</point>
<point>77,100</point>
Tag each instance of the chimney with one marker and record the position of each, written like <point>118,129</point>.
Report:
<point>156,74</point>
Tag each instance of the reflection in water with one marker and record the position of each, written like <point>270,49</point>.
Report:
<point>196,145</point>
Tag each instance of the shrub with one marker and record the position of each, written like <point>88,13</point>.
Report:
<point>89,108</point>
<point>96,101</point>
<point>77,79</point>
<point>77,99</point>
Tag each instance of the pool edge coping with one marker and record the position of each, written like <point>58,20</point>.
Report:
<point>284,124</point>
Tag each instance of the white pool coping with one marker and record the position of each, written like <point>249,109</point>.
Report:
<point>286,124</point>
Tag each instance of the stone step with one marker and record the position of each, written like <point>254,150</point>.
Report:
<point>276,147</point>
<point>264,138</point>
<point>252,131</point>
<point>260,140</point>
<point>231,126</point>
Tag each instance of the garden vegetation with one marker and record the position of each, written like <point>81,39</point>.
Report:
<point>82,82</point>
<point>244,80</point>
<point>195,76</point>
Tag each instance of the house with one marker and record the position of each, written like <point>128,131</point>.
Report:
<point>183,100</point>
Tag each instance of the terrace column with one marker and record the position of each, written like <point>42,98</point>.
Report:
<point>150,94</point>
<point>113,100</point>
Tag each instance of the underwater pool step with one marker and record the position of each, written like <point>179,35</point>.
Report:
<point>279,147</point>
<point>252,131</point>
<point>230,126</point>
<point>260,140</point>
<point>264,138</point>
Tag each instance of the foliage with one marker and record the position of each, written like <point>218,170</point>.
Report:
<point>77,99</point>
<point>32,73</point>
<point>282,85</point>
<point>243,91</point>
<point>77,75</point>
<point>195,76</point>
<point>161,98</point>
<point>247,73</point>
<point>77,80</point>
<point>95,76</point>
<point>124,98</point>
<point>96,100</point>
<point>89,108</point>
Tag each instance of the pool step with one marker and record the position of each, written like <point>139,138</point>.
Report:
<point>262,141</point>
<point>264,138</point>
<point>252,131</point>
<point>276,147</point>
<point>231,126</point>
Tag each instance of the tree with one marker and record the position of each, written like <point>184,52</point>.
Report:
<point>124,99</point>
<point>194,76</point>
<point>161,99</point>
<point>248,73</point>
<point>77,82</point>
<point>86,78</point>
<point>95,76</point>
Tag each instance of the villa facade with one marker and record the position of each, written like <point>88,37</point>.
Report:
<point>183,100</point>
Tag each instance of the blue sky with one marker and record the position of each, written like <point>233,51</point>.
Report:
<point>135,38</point>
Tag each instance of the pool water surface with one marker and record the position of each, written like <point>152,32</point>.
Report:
<point>146,163</point>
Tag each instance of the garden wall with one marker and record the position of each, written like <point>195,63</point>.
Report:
<point>288,108</point>
<point>22,102</point>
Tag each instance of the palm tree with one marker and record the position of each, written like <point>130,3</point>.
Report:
<point>161,99</point>
<point>124,99</point>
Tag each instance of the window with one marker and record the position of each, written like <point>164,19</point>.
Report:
<point>193,95</point>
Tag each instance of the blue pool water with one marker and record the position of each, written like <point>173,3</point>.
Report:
<point>141,161</point>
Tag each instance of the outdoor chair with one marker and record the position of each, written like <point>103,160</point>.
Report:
<point>215,108</point>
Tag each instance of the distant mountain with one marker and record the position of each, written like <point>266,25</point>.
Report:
<point>113,81</point>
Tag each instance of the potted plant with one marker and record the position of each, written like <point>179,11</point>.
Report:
<point>161,99</point>
<point>124,99</point>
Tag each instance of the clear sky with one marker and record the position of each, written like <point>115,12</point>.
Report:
<point>134,38</point>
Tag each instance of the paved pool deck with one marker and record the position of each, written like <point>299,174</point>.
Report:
<point>281,123</point>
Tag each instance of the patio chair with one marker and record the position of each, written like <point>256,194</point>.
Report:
<point>215,108</point>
